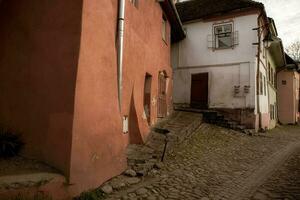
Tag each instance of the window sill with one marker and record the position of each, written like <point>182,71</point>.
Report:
<point>224,48</point>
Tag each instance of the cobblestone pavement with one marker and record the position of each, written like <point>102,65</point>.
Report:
<point>284,183</point>
<point>218,163</point>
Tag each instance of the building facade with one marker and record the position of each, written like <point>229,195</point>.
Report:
<point>61,83</point>
<point>221,65</point>
<point>288,93</point>
<point>274,60</point>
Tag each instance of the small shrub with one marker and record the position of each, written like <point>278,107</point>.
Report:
<point>91,195</point>
<point>10,143</point>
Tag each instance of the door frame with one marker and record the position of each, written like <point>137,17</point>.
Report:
<point>148,80</point>
<point>165,105</point>
<point>208,86</point>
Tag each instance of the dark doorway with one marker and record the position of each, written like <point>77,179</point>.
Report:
<point>199,91</point>
<point>162,100</point>
<point>147,97</point>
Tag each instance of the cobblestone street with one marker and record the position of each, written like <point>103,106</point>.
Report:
<point>284,183</point>
<point>218,163</point>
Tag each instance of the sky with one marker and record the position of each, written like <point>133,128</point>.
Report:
<point>286,14</point>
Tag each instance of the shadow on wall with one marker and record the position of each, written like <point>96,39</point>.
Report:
<point>39,54</point>
<point>134,130</point>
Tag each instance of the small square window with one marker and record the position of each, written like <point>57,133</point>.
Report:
<point>134,2</point>
<point>284,82</point>
<point>223,36</point>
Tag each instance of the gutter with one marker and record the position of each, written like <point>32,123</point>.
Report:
<point>170,10</point>
<point>120,47</point>
<point>176,14</point>
<point>259,32</point>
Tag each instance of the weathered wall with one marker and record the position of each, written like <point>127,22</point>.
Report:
<point>38,64</point>
<point>272,91</point>
<point>264,99</point>
<point>145,52</point>
<point>194,49</point>
<point>287,97</point>
<point>58,66</point>
<point>227,67</point>
<point>98,148</point>
<point>220,85</point>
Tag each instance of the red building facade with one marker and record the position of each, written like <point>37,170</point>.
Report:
<point>59,88</point>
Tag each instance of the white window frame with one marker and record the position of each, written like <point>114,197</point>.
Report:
<point>224,32</point>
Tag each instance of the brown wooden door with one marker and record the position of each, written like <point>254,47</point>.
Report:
<point>199,90</point>
<point>162,100</point>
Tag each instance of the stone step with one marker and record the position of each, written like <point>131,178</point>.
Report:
<point>174,130</point>
<point>28,185</point>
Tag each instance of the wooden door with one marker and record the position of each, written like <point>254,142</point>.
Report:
<point>162,100</point>
<point>199,91</point>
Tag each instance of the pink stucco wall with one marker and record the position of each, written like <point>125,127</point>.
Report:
<point>58,68</point>
<point>98,145</point>
<point>288,97</point>
<point>38,67</point>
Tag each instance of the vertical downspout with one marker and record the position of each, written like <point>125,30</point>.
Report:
<point>121,25</point>
<point>258,76</point>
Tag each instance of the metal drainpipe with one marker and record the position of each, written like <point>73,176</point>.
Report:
<point>258,74</point>
<point>121,25</point>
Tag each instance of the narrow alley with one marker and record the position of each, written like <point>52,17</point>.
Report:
<point>218,163</point>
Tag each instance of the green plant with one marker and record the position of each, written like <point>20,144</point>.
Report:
<point>96,194</point>
<point>10,143</point>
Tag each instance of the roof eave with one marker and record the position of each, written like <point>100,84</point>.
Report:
<point>177,31</point>
<point>277,51</point>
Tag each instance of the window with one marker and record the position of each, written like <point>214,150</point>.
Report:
<point>261,84</point>
<point>134,2</point>
<point>164,29</point>
<point>269,72</point>
<point>274,77</point>
<point>264,52</point>
<point>223,36</point>
<point>265,86</point>
<point>271,75</point>
<point>283,82</point>
<point>162,94</point>
<point>273,112</point>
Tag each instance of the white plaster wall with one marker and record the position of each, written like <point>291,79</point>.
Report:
<point>263,99</point>
<point>221,85</point>
<point>226,68</point>
<point>194,51</point>
<point>272,91</point>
